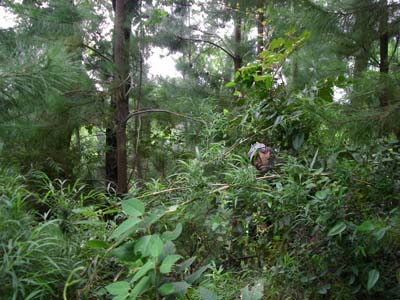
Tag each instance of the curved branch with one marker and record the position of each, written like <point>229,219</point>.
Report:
<point>97,52</point>
<point>157,110</point>
<point>208,42</point>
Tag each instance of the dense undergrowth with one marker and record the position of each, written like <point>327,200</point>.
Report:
<point>298,232</point>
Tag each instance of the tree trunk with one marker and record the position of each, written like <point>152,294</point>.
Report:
<point>120,96</point>
<point>360,64</point>
<point>237,20</point>
<point>260,27</point>
<point>111,156</point>
<point>138,168</point>
<point>384,52</point>
<point>364,39</point>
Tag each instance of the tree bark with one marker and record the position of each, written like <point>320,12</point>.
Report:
<point>120,98</point>
<point>237,34</point>
<point>111,154</point>
<point>138,168</point>
<point>365,43</point>
<point>384,52</point>
<point>260,27</point>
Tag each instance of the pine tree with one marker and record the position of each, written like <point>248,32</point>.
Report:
<point>46,90</point>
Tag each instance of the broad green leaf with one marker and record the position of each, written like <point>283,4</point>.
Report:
<point>125,252</point>
<point>324,289</point>
<point>168,262</point>
<point>168,249</point>
<point>261,77</point>
<point>133,207</point>
<point>322,195</point>
<point>166,289</point>
<point>143,270</point>
<point>180,287</point>
<point>373,277</point>
<point>110,211</point>
<point>139,288</point>
<point>150,219</point>
<point>256,293</point>
<point>230,84</point>
<point>367,225</point>
<point>172,235</point>
<point>172,208</point>
<point>337,229</point>
<point>125,228</point>
<point>121,297</point>
<point>379,234</point>
<point>186,264</point>
<point>96,244</point>
<point>196,275</point>
<point>149,245</point>
<point>298,141</point>
<point>268,82</point>
<point>276,43</point>
<point>118,288</point>
<point>206,294</point>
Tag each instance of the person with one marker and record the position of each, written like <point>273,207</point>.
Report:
<point>261,157</point>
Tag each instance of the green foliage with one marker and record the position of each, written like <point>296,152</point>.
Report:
<point>44,89</point>
<point>255,293</point>
<point>151,258</point>
<point>35,255</point>
<point>324,223</point>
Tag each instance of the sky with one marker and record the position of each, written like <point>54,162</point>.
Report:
<point>163,64</point>
<point>7,20</point>
<point>160,62</point>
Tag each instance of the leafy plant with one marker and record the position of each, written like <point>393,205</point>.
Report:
<point>151,258</point>
<point>35,256</point>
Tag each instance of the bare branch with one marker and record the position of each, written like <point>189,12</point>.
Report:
<point>97,52</point>
<point>157,110</point>
<point>208,42</point>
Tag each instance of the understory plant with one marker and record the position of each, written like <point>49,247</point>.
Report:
<point>155,269</point>
<point>35,256</point>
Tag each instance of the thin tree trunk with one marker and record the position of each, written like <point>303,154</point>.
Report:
<point>384,52</point>
<point>294,73</point>
<point>111,141</point>
<point>363,35</point>
<point>78,142</point>
<point>111,156</point>
<point>360,64</point>
<point>260,27</point>
<point>237,60</point>
<point>138,168</point>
